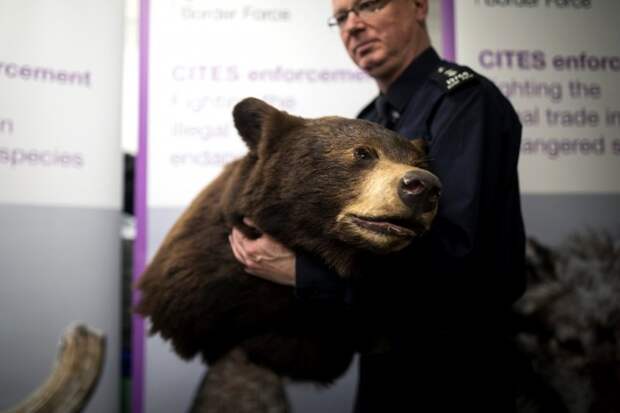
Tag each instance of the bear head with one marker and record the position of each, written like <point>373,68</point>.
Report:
<point>330,186</point>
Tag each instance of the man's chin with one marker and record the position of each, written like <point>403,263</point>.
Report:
<point>369,59</point>
<point>376,69</point>
<point>370,65</point>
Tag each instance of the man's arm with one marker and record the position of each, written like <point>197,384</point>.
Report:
<point>475,140</point>
<point>267,258</point>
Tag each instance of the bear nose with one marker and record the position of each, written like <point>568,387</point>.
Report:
<point>419,190</point>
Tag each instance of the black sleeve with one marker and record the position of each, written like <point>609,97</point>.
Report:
<point>474,149</point>
<point>316,283</point>
<point>456,154</point>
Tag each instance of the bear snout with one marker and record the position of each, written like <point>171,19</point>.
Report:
<point>419,190</point>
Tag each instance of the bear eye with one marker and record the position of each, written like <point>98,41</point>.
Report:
<point>364,154</point>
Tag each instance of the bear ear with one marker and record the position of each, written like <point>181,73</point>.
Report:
<point>420,145</point>
<point>254,119</point>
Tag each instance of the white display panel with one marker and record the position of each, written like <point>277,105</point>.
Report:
<point>559,63</point>
<point>205,56</point>
<point>60,68</point>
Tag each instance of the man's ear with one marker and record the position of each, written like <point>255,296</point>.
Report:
<point>258,121</point>
<point>421,12</point>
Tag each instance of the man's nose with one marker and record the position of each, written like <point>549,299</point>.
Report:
<point>353,22</point>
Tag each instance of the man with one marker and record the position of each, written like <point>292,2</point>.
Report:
<point>444,303</point>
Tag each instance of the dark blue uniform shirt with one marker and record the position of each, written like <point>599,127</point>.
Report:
<point>444,302</point>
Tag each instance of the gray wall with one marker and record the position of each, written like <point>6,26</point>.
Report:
<point>552,218</point>
<point>57,265</point>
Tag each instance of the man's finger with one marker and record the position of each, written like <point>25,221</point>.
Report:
<point>237,235</point>
<point>239,240</point>
<point>244,244</point>
<point>247,221</point>
<point>234,248</point>
<point>237,252</point>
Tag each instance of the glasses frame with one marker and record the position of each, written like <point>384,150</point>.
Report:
<point>363,7</point>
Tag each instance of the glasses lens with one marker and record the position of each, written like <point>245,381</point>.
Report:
<point>338,19</point>
<point>370,6</point>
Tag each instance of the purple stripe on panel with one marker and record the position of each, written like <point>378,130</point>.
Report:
<point>448,29</point>
<point>139,255</point>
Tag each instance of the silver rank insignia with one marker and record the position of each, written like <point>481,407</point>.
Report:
<point>452,77</point>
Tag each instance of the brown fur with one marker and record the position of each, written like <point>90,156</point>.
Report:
<point>295,181</point>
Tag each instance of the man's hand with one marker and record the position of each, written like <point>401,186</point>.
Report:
<point>264,257</point>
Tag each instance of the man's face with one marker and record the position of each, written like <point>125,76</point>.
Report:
<point>384,42</point>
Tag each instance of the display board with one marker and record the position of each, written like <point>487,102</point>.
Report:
<point>60,180</point>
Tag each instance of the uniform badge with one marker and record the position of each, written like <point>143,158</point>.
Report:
<point>450,77</point>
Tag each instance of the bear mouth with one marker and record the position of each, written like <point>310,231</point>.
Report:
<point>391,226</point>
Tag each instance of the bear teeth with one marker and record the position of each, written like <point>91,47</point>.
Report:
<point>383,227</point>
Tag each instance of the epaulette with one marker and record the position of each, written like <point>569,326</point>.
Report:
<point>451,77</point>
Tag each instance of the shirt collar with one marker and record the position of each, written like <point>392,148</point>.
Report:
<point>415,74</point>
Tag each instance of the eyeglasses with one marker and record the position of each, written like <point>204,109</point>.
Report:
<point>363,9</point>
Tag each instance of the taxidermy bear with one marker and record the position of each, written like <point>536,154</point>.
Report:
<point>335,188</point>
